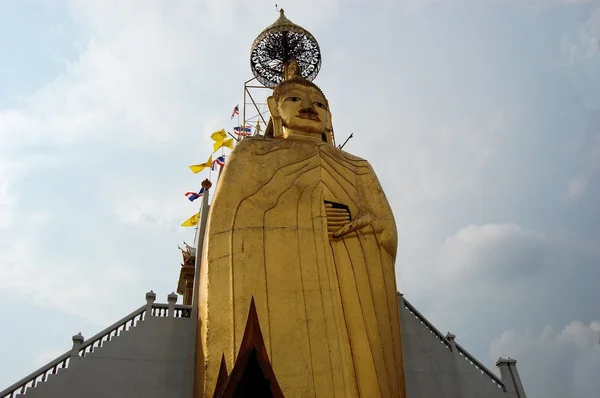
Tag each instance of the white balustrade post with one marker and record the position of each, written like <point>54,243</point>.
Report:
<point>510,376</point>
<point>458,385</point>
<point>77,341</point>
<point>171,299</point>
<point>452,339</point>
<point>150,297</point>
<point>401,309</point>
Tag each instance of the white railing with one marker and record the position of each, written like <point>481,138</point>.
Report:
<point>82,348</point>
<point>426,323</point>
<point>179,311</point>
<point>461,351</point>
<point>479,366</point>
<point>39,375</point>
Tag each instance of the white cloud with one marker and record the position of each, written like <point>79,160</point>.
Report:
<point>577,1</point>
<point>585,44</point>
<point>47,355</point>
<point>593,22</point>
<point>571,356</point>
<point>505,256</point>
<point>444,159</point>
<point>5,206</point>
<point>590,36</point>
<point>491,277</point>
<point>575,334</point>
<point>475,248</point>
<point>568,49</point>
<point>139,80</point>
<point>10,171</point>
<point>151,212</point>
<point>66,286</point>
<point>577,187</point>
<point>414,5</point>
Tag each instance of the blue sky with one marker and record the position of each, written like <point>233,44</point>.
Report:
<point>481,119</point>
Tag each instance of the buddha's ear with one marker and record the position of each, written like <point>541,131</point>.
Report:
<point>272,104</point>
<point>329,125</point>
<point>328,133</point>
<point>329,129</point>
<point>275,127</point>
<point>269,129</point>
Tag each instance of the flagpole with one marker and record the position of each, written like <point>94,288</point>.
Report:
<point>199,240</point>
<point>220,172</point>
<point>239,126</point>
<point>204,198</point>
<point>244,110</point>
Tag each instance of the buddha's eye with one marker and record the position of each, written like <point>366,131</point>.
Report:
<point>293,99</point>
<point>320,105</point>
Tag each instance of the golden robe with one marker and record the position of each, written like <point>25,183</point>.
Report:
<point>327,308</point>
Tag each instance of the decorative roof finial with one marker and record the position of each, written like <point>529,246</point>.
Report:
<point>284,50</point>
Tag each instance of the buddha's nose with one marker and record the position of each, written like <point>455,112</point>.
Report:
<point>308,110</point>
<point>307,103</point>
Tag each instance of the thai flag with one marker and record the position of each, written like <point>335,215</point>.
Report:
<point>236,111</point>
<point>220,161</point>
<point>194,195</point>
<point>242,131</point>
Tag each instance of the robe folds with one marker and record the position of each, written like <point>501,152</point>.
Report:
<point>327,307</point>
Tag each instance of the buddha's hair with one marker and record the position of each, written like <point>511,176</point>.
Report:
<point>281,87</point>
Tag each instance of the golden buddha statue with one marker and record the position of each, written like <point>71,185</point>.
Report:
<point>305,230</point>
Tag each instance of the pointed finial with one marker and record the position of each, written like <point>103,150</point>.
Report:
<point>78,338</point>
<point>150,296</point>
<point>172,298</point>
<point>206,184</point>
<point>282,18</point>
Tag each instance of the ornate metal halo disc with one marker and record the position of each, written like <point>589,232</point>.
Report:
<point>279,44</point>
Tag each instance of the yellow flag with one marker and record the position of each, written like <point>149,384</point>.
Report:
<point>219,135</point>
<point>196,168</point>
<point>226,143</point>
<point>190,222</point>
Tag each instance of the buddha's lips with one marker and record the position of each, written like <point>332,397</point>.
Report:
<point>310,117</point>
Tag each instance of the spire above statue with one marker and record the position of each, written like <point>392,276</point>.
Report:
<point>284,50</point>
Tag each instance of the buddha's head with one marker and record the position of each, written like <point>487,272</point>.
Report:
<point>299,108</point>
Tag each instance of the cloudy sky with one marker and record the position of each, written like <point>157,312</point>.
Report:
<point>481,118</point>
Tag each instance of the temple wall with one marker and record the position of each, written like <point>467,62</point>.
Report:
<point>155,358</point>
<point>152,360</point>
<point>435,368</point>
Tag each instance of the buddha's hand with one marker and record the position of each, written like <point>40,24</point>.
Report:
<point>360,222</point>
<point>339,224</point>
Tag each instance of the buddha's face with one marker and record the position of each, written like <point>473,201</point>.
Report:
<point>303,108</point>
